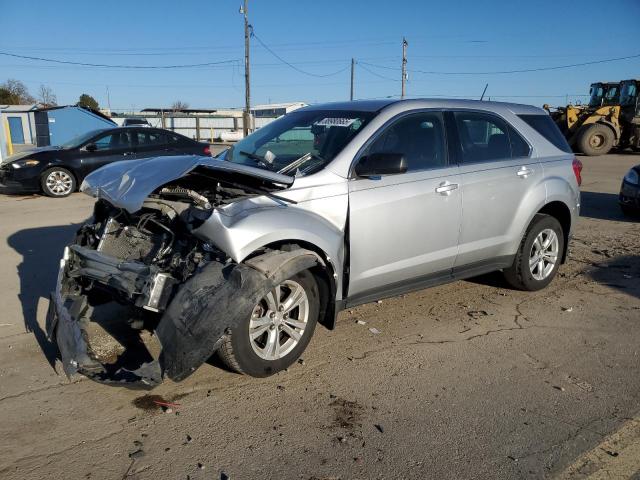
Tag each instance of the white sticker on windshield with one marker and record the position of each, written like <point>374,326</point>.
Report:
<point>336,122</point>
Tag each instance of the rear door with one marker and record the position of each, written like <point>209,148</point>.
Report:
<point>109,147</point>
<point>497,172</point>
<point>403,229</point>
<point>150,143</point>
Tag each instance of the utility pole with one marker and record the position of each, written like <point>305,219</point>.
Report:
<point>108,99</point>
<point>247,84</point>
<point>353,64</point>
<point>404,65</point>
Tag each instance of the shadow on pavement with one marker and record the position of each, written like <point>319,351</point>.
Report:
<point>41,250</point>
<point>620,273</point>
<point>602,206</point>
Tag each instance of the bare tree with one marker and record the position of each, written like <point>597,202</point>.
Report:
<point>179,105</point>
<point>46,96</point>
<point>14,92</point>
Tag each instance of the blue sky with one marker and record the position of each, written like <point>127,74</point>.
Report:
<point>319,37</point>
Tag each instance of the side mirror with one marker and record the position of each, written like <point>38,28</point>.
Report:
<point>381,164</point>
<point>90,147</point>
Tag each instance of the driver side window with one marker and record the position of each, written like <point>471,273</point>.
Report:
<point>113,141</point>
<point>419,137</point>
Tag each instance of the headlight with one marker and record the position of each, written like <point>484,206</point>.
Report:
<point>632,177</point>
<point>28,162</point>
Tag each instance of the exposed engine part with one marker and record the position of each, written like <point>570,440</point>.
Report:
<point>199,200</point>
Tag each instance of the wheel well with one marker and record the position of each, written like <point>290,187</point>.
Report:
<point>324,275</point>
<point>560,212</point>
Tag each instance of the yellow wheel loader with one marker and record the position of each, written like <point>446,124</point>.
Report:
<point>595,128</point>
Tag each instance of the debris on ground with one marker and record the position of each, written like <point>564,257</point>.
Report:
<point>301,361</point>
<point>567,309</point>
<point>379,302</point>
<point>379,428</point>
<point>374,330</point>
<point>557,387</point>
<point>361,322</point>
<point>137,454</point>
<point>477,313</point>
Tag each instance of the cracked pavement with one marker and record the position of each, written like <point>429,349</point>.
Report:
<point>467,380</point>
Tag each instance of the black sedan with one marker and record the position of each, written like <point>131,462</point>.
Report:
<point>630,192</point>
<point>58,171</point>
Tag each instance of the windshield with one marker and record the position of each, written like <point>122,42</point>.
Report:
<point>612,96</point>
<point>628,93</point>
<point>597,92</point>
<point>301,142</point>
<point>80,139</point>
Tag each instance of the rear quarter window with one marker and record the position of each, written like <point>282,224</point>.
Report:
<point>545,126</point>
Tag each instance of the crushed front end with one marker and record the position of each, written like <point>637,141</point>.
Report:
<point>141,262</point>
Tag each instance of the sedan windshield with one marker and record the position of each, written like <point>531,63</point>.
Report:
<point>80,139</point>
<point>301,142</point>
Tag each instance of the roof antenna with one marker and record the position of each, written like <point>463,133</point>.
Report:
<point>484,91</point>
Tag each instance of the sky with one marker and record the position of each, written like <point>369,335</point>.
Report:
<point>462,43</point>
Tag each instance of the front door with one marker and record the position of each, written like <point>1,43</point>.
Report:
<point>108,148</point>
<point>403,228</point>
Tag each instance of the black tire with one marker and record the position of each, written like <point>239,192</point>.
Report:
<point>596,139</point>
<point>630,211</point>
<point>237,353</point>
<point>69,187</point>
<point>519,275</point>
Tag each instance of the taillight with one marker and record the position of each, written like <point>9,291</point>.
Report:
<point>207,150</point>
<point>577,170</point>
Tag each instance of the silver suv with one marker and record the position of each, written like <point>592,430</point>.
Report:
<point>327,207</point>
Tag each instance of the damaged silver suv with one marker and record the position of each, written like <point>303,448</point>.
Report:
<point>325,208</point>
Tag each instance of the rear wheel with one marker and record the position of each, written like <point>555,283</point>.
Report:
<point>538,258</point>
<point>596,139</point>
<point>58,182</point>
<point>277,331</point>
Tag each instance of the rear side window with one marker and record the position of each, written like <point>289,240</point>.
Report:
<point>148,139</point>
<point>483,138</point>
<point>544,125</point>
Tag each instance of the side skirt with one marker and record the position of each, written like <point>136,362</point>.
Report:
<point>431,280</point>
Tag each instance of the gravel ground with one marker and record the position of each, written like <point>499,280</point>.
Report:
<point>467,380</point>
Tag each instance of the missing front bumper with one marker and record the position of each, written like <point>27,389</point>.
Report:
<point>67,326</point>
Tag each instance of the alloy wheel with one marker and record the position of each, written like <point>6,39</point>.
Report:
<point>279,320</point>
<point>59,182</point>
<point>544,254</point>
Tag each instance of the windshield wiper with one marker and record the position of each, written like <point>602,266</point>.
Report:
<point>303,159</point>
<point>257,158</point>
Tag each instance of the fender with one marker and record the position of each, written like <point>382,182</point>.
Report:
<point>241,235</point>
<point>216,299</point>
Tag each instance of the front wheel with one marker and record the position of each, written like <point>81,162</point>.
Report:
<point>538,258</point>
<point>596,139</point>
<point>277,331</point>
<point>58,182</point>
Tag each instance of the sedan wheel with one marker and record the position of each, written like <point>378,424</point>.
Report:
<point>58,182</point>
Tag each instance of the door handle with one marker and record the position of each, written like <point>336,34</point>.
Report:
<point>445,188</point>
<point>524,172</point>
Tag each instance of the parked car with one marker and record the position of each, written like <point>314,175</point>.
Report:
<point>630,192</point>
<point>325,208</point>
<point>57,171</point>
<point>135,122</point>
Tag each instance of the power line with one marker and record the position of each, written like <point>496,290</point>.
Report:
<point>359,64</point>
<point>253,34</point>
<point>500,72</point>
<point>102,65</point>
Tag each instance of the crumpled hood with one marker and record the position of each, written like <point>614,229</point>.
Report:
<point>126,184</point>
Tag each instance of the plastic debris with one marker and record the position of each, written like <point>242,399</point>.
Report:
<point>374,330</point>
